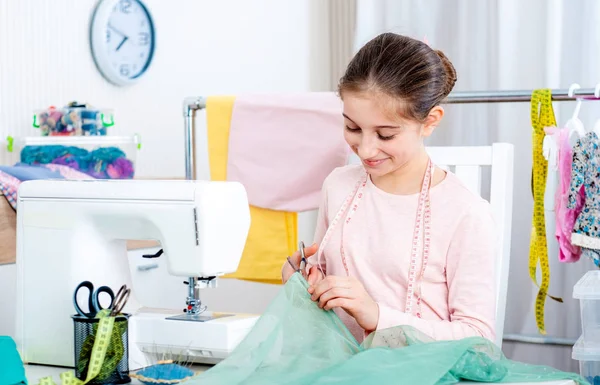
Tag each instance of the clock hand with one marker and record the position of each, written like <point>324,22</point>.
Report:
<point>122,42</point>
<point>116,30</point>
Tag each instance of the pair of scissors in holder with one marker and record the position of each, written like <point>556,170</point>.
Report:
<point>93,305</point>
<point>120,301</point>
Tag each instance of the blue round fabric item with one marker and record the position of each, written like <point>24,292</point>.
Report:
<point>172,373</point>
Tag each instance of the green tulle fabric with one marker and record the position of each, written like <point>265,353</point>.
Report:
<point>296,343</point>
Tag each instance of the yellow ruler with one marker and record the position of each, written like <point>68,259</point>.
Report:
<point>542,115</point>
<point>101,345</point>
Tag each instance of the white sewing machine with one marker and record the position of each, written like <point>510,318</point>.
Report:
<point>72,231</point>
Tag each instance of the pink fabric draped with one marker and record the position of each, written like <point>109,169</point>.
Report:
<point>282,147</point>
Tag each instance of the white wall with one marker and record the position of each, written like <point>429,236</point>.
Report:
<point>203,47</point>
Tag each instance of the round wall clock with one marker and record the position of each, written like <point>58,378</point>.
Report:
<point>122,39</point>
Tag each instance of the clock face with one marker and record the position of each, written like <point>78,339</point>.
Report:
<point>122,40</point>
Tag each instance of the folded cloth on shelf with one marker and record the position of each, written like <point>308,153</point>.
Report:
<point>25,172</point>
<point>282,147</point>
<point>12,176</point>
<point>272,234</point>
<point>9,185</point>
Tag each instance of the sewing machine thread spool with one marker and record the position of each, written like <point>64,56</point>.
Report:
<point>115,368</point>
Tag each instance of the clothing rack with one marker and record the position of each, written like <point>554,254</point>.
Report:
<point>558,95</point>
<point>193,104</point>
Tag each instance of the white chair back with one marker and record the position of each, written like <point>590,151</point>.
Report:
<point>468,163</point>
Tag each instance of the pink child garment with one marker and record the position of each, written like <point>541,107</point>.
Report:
<point>565,217</point>
<point>282,147</point>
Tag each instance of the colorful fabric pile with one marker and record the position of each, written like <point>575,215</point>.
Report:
<point>101,163</point>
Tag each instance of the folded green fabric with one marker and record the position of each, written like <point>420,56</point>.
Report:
<point>12,371</point>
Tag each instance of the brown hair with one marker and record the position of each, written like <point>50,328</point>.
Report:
<point>404,68</point>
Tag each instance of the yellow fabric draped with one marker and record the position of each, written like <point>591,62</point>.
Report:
<point>273,234</point>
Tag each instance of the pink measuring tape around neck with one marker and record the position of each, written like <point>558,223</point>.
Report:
<point>422,225</point>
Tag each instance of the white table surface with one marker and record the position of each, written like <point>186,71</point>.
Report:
<point>35,372</point>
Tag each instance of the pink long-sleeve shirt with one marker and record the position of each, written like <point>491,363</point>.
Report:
<point>458,288</point>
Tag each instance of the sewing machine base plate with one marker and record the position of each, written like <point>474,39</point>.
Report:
<point>199,317</point>
<point>155,333</point>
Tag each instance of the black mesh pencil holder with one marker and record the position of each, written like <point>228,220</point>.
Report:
<point>115,368</point>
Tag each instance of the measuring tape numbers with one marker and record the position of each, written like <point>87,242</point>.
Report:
<point>542,115</point>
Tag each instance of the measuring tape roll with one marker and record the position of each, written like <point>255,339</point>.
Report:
<point>542,115</point>
<point>104,346</point>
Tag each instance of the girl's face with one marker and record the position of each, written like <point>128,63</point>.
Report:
<point>384,143</point>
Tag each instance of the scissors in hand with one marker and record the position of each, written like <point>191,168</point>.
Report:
<point>303,259</point>
<point>93,305</point>
<point>302,268</point>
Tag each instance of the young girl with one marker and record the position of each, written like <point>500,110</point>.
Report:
<point>400,241</point>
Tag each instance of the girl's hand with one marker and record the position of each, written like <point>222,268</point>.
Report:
<point>287,271</point>
<point>349,294</point>
<point>314,276</point>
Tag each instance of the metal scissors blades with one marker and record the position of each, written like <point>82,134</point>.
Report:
<point>302,268</point>
<point>303,259</point>
<point>120,301</point>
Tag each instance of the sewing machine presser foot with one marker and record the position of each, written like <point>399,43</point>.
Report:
<point>195,310</point>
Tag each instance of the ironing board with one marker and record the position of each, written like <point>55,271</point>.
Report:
<point>35,372</point>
